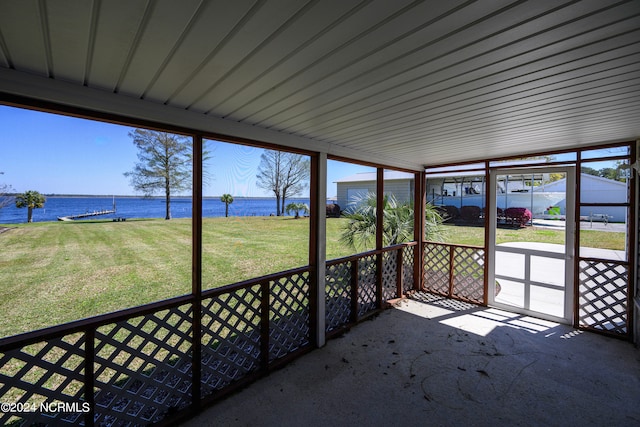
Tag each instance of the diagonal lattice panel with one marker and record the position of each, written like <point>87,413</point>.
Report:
<point>468,277</point>
<point>603,296</point>
<point>143,367</point>
<point>436,268</point>
<point>389,275</point>
<point>289,317</point>
<point>407,268</point>
<point>230,337</point>
<point>337,295</point>
<point>367,300</point>
<point>44,373</point>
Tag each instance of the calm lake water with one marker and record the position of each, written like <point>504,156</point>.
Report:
<point>134,207</point>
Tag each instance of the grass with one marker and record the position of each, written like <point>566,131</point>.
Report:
<point>55,272</point>
<point>588,238</point>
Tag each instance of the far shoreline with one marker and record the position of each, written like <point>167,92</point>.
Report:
<point>109,196</point>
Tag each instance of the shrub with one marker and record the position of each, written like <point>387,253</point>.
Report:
<point>470,213</point>
<point>518,216</point>
<point>448,213</point>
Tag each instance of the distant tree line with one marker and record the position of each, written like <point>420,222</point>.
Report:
<point>617,174</point>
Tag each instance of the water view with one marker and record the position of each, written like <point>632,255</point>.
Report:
<point>139,207</point>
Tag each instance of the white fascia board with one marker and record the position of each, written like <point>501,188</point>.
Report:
<point>74,95</point>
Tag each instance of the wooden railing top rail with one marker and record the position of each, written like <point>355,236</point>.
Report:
<point>454,245</point>
<point>367,253</point>
<point>27,338</point>
<point>209,293</point>
<point>609,261</point>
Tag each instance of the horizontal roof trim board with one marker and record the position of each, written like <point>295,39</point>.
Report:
<point>58,92</point>
<point>372,176</point>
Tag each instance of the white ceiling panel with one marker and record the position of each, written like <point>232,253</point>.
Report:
<point>258,28</point>
<point>211,25</point>
<point>21,26</point>
<point>114,39</point>
<point>165,27</point>
<point>404,82</point>
<point>353,24</point>
<point>69,39</point>
<point>351,64</point>
<point>283,44</point>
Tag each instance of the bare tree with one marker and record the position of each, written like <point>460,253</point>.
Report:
<point>270,174</point>
<point>284,174</point>
<point>295,176</point>
<point>164,164</point>
<point>5,198</point>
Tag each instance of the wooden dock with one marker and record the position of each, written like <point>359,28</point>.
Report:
<point>86,215</point>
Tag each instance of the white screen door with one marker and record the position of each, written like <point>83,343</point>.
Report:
<point>531,241</point>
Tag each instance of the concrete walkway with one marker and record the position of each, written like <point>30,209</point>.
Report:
<point>532,275</point>
<point>438,362</point>
<point>617,227</point>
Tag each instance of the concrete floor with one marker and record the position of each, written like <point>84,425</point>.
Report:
<point>438,362</point>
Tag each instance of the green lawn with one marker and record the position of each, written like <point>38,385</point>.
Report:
<point>55,272</point>
<point>588,238</point>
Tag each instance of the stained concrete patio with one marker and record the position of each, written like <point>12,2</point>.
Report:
<point>437,362</point>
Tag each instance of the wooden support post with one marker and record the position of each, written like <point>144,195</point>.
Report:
<point>488,192</point>
<point>418,230</point>
<point>196,271</point>
<point>576,244</point>
<point>318,248</point>
<point>379,229</point>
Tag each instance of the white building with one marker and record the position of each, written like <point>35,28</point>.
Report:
<point>595,189</point>
<point>469,191</point>
<point>350,188</point>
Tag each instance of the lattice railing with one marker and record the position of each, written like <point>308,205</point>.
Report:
<point>143,366</point>
<point>603,296</point>
<point>437,265</point>
<point>45,372</point>
<point>351,290</point>
<point>408,256</point>
<point>389,276</point>
<point>230,337</point>
<point>455,271</point>
<point>338,288</point>
<point>367,295</point>
<point>289,316</point>
<point>468,274</point>
<point>137,363</point>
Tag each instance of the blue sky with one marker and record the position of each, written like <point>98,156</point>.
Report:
<point>51,153</point>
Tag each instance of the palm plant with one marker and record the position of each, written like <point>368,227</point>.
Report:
<point>227,199</point>
<point>297,207</point>
<point>359,232</point>
<point>31,200</point>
